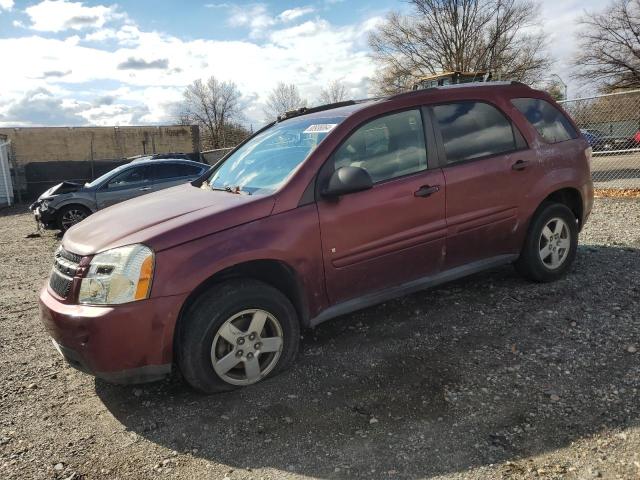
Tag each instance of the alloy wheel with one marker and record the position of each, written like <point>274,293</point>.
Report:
<point>247,347</point>
<point>554,243</point>
<point>71,217</point>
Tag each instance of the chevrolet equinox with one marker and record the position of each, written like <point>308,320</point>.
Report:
<point>323,212</point>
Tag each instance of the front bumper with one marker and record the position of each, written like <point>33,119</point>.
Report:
<point>46,218</point>
<point>129,343</point>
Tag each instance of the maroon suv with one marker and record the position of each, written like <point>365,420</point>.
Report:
<point>326,211</point>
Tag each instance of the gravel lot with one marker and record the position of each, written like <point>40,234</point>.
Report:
<point>488,377</point>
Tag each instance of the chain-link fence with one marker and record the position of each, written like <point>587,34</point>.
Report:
<point>611,124</point>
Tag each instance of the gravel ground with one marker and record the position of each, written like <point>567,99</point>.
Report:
<point>488,377</point>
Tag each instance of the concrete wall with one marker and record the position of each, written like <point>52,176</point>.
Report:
<point>214,156</point>
<point>46,144</point>
<point>44,156</point>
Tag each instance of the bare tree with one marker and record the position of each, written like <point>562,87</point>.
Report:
<point>610,46</point>
<point>282,99</point>
<point>555,90</point>
<point>459,35</point>
<point>334,92</point>
<point>215,107</point>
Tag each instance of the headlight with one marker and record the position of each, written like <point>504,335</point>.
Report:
<point>119,275</point>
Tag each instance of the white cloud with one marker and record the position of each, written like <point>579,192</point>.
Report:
<point>42,107</point>
<point>74,71</point>
<point>258,19</point>
<point>255,17</point>
<point>60,15</point>
<point>126,35</point>
<point>6,5</point>
<point>293,13</point>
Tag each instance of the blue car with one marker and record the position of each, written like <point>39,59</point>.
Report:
<point>596,138</point>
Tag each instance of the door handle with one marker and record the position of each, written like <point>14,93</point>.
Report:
<point>144,189</point>
<point>426,190</point>
<point>520,165</point>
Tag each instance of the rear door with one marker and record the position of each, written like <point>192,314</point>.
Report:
<point>488,169</point>
<point>130,183</point>
<point>394,232</point>
<point>168,174</point>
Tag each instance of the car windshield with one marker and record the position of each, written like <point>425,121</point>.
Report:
<point>262,164</point>
<point>103,177</point>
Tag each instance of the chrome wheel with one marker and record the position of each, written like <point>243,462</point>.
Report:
<point>554,243</point>
<point>247,347</point>
<point>71,217</point>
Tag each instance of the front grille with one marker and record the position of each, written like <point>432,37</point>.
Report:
<point>65,265</point>
<point>72,257</point>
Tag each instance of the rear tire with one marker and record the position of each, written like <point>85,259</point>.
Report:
<point>235,334</point>
<point>551,244</point>
<point>69,215</point>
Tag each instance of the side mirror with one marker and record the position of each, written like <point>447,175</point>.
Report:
<point>347,180</point>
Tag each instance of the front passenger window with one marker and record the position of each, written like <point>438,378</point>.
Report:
<point>387,147</point>
<point>130,177</point>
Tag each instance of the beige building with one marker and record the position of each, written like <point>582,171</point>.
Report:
<point>46,144</point>
<point>44,156</point>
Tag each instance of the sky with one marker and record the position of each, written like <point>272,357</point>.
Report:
<point>94,62</point>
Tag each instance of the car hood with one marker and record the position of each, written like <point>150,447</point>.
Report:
<point>165,219</point>
<point>59,189</point>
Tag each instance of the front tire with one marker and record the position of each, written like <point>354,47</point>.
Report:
<point>69,215</point>
<point>551,244</point>
<point>235,334</point>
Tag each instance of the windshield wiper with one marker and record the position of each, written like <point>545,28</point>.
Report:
<point>236,190</point>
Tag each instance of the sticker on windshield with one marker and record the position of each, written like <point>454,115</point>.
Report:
<point>320,128</point>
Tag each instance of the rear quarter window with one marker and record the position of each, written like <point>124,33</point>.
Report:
<point>165,171</point>
<point>550,123</point>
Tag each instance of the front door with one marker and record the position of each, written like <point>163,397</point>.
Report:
<point>131,183</point>
<point>394,232</point>
<point>488,171</point>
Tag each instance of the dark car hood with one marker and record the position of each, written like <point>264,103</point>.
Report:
<point>164,219</point>
<point>59,189</point>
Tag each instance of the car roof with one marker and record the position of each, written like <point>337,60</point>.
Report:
<point>347,108</point>
<point>151,161</point>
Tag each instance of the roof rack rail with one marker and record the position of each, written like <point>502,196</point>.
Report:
<point>496,83</point>
<point>320,108</point>
<point>305,110</point>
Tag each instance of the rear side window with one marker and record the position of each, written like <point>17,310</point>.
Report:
<point>550,122</point>
<point>191,171</point>
<point>165,171</point>
<point>472,130</point>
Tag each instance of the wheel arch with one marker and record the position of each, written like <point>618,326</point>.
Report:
<point>76,201</point>
<point>570,197</point>
<point>275,273</point>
